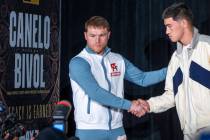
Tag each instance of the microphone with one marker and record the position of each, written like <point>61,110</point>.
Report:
<point>60,116</point>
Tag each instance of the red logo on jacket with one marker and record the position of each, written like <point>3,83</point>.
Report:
<point>115,71</point>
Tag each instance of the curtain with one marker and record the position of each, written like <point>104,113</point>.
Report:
<point>137,32</point>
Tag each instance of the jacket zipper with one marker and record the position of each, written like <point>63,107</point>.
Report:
<point>109,84</point>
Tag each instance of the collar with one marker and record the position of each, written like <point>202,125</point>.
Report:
<point>192,44</point>
<point>106,51</point>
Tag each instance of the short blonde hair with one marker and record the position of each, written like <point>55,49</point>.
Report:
<point>97,21</point>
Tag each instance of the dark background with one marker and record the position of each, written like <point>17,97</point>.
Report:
<point>137,32</point>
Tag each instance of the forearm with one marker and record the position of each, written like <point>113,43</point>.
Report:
<point>104,97</point>
<point>141,78</point>
<point>153,77</point>
<point>161,103</point>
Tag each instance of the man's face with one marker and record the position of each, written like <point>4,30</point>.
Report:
<point>174,29</point>
<point>97,38</point>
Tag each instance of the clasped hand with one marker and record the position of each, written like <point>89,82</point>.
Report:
<point>139,107</point>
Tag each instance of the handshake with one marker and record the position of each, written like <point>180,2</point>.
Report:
<point>139,107</point>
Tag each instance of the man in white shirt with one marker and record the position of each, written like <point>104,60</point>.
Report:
<point>187,83</point>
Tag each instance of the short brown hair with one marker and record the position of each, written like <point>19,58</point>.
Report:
<point>178,11</point>
<point>97,21</point>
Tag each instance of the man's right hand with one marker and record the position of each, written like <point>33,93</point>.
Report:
<point>138,108</point>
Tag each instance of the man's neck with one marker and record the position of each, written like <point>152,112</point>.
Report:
<point>187,37</point>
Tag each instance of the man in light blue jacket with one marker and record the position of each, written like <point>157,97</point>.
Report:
<point>97,79</point>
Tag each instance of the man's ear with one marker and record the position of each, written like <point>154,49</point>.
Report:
<point>85,35</point>
<point>109,33</point>
<point>184,22</point>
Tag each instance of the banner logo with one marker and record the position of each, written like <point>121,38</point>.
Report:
<point>115,71</point>
<point>35,2</point>
<point>114,67</point>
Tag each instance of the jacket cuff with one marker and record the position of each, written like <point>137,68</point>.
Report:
<point>126,105</point>
<point>151,105</point>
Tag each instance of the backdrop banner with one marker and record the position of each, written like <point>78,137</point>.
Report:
<point>30,60</point>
